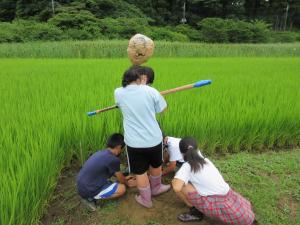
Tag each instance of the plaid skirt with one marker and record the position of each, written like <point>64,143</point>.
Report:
<point>231,208</point>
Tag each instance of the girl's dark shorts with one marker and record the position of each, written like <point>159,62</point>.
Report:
<point>140,159</point>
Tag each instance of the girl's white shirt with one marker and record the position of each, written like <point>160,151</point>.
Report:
<point>173,149</point>
<point>207,181</point>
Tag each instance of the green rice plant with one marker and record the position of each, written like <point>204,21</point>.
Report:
<point>252,105</point>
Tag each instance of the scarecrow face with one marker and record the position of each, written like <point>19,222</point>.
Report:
<point>140,48</point>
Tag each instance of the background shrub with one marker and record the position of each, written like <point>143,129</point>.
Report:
<point>9,33</point>
<point>214,30</point>
<point>21,31</point>
<point>235,31</point>
<point>122,28</point>
<point>78,20</point>
<point>161,33</point>
<point>286,36</point>
<point>261,32</point>
<point>239,31</point>
<point>191,33</point>
<point>77,24</point>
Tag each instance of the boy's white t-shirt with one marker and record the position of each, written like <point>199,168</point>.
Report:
<point>173,149</point>
<point>139,104</point>
<point>207,181</point>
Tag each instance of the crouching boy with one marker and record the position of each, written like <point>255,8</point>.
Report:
<point>93,180</point>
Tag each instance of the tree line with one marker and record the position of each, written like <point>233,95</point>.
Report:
<point>281,14</point>
<point>175,20</point>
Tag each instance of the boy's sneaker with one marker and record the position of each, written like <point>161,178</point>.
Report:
<point>90,204</point>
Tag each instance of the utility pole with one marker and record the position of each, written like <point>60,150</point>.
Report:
<point>53,11</point>
<point>286,15</point>
<point>183,20</point>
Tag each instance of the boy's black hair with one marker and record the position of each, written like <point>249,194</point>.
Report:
<point>130,75</point>
<point>189,147</point>
<point>114,140</point>
<point>148,71</point>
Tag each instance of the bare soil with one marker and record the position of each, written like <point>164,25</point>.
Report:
<point>66,208</point>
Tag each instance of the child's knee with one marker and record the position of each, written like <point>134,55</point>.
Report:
<point>121,189</point>
<point>176,188</point>
<point>189,188</point>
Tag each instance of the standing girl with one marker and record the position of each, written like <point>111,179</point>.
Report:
<point>139,103</point>
<point>200,185</point>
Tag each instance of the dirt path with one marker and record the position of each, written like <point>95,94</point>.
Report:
<point>66,208</point>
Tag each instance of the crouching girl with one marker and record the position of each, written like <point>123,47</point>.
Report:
<point>201,186</point>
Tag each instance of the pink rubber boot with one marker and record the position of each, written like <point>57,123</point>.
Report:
<point>157,187</point>
<point>144,198</point>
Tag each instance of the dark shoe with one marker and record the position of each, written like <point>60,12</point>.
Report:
<point>188,217</point>
<point>90,204</point>
<point>194,211</point>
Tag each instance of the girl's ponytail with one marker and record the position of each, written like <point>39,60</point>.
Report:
<point>188,146</point>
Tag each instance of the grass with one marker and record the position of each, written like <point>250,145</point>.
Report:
<point>252,105</point>
<point>271,181</point>
<point>117,49</point>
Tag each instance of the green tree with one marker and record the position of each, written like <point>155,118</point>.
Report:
<point>113,8</point>
<point>161,11</point>
<point>7,10</point>
<point>28,9</point>
<point>279,13</point>
<point>214,30</point>
<point>123,27</point>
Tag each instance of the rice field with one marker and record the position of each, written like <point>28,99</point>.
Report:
<point>252,105</point>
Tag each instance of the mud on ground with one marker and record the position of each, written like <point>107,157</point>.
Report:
<point>66,208</point>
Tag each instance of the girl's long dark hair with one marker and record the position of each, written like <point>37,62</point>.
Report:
<point>130,75</point>
<point>188,146</point>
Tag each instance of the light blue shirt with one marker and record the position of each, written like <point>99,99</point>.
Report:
<point>139,104</point>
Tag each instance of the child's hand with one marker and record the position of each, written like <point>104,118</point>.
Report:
<point>131,182</point>
<point>130,177</point>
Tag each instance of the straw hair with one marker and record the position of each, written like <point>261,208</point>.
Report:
<point>140,49</point>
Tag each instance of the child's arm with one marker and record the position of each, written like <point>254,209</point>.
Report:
<point>177,184</point>
<point>181,178</point>
<point>122,179</point>
<point>171,167</point>
<point>166,156</point>
<point>160,103</point>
